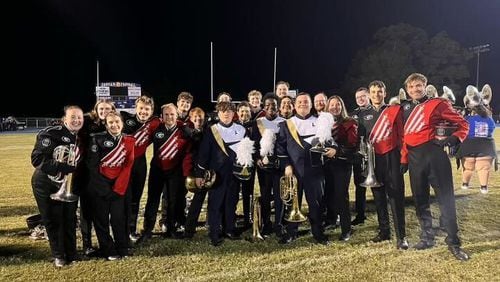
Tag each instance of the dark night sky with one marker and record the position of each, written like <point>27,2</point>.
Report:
<point>165,46</point>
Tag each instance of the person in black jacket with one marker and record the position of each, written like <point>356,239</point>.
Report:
<point>110,160</point>
<point>59,217</point>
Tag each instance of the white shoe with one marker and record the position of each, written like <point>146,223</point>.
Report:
<point>113,258</point>
<point>484,190</point>
<point>465,187</point>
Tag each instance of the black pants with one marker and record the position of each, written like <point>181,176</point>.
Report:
<point>246,192</point>
<point>360,191</point>
<point>80,185</point>
<point>429,161</point>
<point>59,218</point>
<point>338,176</point>
<point>111,212</point>
<point>171,184</point>
<point>392,191</point>
<point>269,182</point>
<point>313,187</point>
<point>134,192</point>
<point>222,201</point>
<point>194,211</point>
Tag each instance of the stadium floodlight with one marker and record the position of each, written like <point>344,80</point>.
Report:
<point>478,50</point>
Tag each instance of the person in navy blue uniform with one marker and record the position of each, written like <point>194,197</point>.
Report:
<point>293,149</point>
<point>423,155</point>
<point>171,162</point>
<point>110,160</point>
<point>268,170</point>
<point>94,122</point>
<point>363,102</point>
<point>59,218</point>
<point>245,119</point>
<point>142,126</point>
<point>217,152</point>
<point>382,125</point>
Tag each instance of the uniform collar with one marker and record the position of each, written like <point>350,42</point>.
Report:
<point>303,117</point>
<point>226,125</point>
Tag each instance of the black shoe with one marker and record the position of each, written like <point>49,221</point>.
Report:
<point>402,244</point>
<point>216,241</point>
<point>287,239</point>
<point>345,236</point>
<point>188,234</point>
<point>323,240</point>
<point>424,244</point>
<point>381,237</point>
<point>232,236</point>
<point>144,238</point>
<point>59,262</point>
<point>458,253</point>
<point>358,220</point>
<point>330,226</point>
<point>89,251</point>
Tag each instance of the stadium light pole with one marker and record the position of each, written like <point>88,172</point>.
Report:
<point>478,50</point>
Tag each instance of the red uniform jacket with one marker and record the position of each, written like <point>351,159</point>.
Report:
<point>420,127</point>
<point>172,148</point>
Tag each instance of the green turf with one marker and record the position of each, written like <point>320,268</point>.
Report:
<point>168,259</point>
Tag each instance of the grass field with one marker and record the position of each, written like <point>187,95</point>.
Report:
<point>169,259</point>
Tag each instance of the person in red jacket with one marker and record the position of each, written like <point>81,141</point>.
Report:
<point>338,169</point>
<point>171,162</point>
<point>425,158</point>
<point>382,126</point>
<point>110,160</point>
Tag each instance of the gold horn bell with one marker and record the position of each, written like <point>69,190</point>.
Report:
<point>289,196</point>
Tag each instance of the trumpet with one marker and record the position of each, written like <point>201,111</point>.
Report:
<point>64,154</point>
<point>371,180</point>
<point>289,196</point>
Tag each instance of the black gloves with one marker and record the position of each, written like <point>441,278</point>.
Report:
<point>66,168</point>
<point>450,141</point>
<point>403,168</point>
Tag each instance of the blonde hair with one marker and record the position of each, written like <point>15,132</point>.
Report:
<point>146,100</point>
<point>415,76</point>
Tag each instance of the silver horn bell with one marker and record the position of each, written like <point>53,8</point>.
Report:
<point>64,154</point>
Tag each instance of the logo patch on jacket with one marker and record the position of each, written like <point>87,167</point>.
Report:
<point>130,122</point>
<point>159,135</point>
<point>368,117</point>
<point>108,144</point>
<point>65,139</point>
<point>46,142</point>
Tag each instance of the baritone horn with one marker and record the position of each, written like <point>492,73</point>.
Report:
<point>67,155</point>
<point>257,219</point>
<point>369,155</point>
<point>289,195</point>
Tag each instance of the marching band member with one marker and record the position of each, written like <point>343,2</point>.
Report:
<point>363,102</point>
<point>171,162</point>
<point>382,126</point>
<point>293,149</point>
<point>267,167</point>
<point>286,109</point>
<point>217,152</point>
<point>320,102</point>
<point>142,126</point>
<point>197,120</point>
<point>255,101</point>
<point>110,160</point>
<point>425,158</point>
<point>59,217</point>
<point>478,149</point>
<point>244,114</point>
<point>94,122</point>
<point>338,170</point>
<point>184,102</point>
<point>281,89</point>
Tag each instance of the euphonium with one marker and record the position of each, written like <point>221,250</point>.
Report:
<point>371,180</point>
<point>364,154</point>
<point>289,195</point>
<point>64,154</point>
